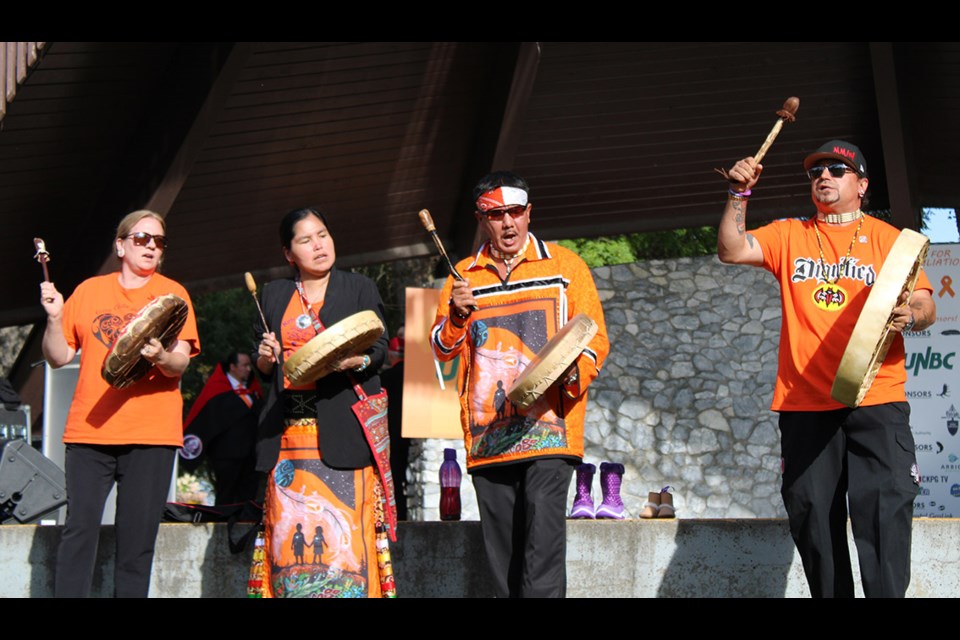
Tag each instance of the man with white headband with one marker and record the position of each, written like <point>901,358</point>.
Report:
<point>826,266</point>
<point>517,293</point>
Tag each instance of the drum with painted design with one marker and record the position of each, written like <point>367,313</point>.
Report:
<point>555,358</point>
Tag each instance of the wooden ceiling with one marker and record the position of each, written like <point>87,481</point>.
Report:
<point>224,138</point>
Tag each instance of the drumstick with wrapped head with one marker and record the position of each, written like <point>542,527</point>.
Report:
<point>787,114</point>
<point>252,288</point>
<point>42,256</point>
<point>427,222</point>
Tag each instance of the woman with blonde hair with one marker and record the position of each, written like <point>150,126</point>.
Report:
<point>130,435</point>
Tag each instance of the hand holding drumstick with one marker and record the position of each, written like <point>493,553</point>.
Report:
<point>269,349</point>
<point>462,302</point>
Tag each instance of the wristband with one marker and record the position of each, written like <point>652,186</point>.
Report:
<point>454,314</point>
<point>740,194</point>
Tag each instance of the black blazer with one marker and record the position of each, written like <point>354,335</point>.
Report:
<point>342,442</point>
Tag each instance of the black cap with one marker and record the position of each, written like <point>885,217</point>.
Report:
<point>846,152</point>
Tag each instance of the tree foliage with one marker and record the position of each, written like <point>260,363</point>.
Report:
<point>225,322</point>
<point>654,245</point>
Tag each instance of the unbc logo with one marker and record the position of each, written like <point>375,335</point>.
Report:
<point>830,297</point>
<point>478,333</point>
<point>929,360</point>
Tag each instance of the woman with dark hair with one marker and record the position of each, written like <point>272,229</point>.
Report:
<point>130,435</point>
<point>321,472</point>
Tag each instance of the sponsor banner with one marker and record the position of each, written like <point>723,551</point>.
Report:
<point>429,409</point>
<point>933,390</point>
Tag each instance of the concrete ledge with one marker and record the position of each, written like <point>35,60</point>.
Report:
<point>630,558</point>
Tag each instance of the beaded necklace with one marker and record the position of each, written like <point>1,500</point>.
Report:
<point>509,258</point>
<point>842,218</point>
<point>846,258</point>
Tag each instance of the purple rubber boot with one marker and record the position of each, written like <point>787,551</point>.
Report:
<point>583,501</point>
<point>611,475</point>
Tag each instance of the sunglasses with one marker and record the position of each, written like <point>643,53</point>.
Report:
<point>836,170</point>
<point>142,239</point>
<point>497,214</point>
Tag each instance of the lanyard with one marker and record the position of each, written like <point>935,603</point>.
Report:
<point>317,325</point>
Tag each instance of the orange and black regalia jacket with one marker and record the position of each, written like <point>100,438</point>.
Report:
<point>517,317</point>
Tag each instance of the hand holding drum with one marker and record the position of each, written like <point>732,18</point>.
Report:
<point>351,336</point>
<point>874,331</point>
<point>554,359</point>
<point>140,344</point>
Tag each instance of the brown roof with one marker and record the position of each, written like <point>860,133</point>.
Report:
<point>226,137</point>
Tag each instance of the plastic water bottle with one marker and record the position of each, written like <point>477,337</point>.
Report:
<point>450,486</point>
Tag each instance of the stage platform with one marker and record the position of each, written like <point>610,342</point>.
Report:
<point>629,558</point>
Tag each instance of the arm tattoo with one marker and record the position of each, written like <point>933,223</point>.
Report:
<point>919,315</point>
<point>738,207</point>
<point>750,239</point>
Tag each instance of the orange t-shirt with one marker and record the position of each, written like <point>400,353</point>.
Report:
<point>818,317</point>
<point>151,410</point>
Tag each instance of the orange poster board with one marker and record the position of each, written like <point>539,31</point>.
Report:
<point>429,411</point>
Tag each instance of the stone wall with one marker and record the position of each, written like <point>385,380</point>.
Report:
<point>683,399</point>
<point>11,341</point>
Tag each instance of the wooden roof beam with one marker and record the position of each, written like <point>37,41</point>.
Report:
<point>896,143</point>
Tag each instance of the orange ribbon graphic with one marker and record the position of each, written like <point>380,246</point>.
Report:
<point>946,281</point>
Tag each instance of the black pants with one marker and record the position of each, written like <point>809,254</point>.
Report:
<point>866,454</point>
<point>523,518</point>
<point>142,474</point>
<point>234,480</point>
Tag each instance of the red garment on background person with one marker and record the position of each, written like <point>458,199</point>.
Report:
<point>218,383</point>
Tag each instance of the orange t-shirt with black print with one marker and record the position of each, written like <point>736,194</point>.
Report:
<point>151,410</point>
<point>821,304</point>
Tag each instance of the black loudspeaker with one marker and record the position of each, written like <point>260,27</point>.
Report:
<point>31,486</point>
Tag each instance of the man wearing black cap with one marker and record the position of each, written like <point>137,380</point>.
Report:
<point>825,267</point>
